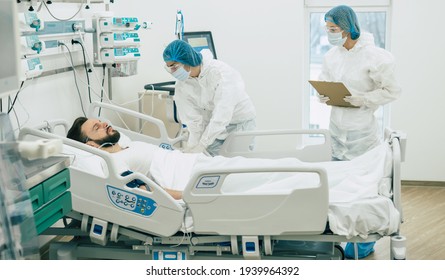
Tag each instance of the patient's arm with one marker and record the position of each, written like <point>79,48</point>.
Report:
<point>173,193</point>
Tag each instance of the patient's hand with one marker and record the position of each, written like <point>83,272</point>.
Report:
<point>174,194</point>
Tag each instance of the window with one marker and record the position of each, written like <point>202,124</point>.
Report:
<point>372,19</point>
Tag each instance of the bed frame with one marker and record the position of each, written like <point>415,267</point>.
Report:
<point>102,227</point>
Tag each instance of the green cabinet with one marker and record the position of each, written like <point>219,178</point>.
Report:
<point>51,200</point>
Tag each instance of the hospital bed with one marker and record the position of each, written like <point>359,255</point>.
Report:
<point>108,222</point>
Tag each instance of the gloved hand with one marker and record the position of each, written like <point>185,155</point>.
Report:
<point>323,98</point>
<point>357,101</point>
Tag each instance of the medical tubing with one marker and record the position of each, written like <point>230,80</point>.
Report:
<point>185,233</point>
<point>16,117</point>
<point>15,98</point>
<point>90,61</point>
<point>60,19</point>
<point>27,114</point>
<point>75,76</point>
<point>79,79</point>
<point>151,112</point>
<point>99,81</point>
<point>109,144</point>
<point>85,66</point>
<point>92,89</point>
<point>106,144</point>
<point>102,88</point>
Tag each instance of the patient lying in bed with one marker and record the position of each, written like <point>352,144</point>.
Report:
<point>348,180</point>
<point>359,190</point>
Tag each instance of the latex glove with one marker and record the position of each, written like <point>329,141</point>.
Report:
<point>357,101</point>
<point>323,98</point>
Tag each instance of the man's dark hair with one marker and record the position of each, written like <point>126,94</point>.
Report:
<point>75,132</point>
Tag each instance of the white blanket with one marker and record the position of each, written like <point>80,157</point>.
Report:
<point>348,180</point>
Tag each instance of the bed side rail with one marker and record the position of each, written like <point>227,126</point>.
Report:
<point>52,125</point>
<point>257,212</point>
<point>112,168</point>
<point>89,194</point>
<point>27,131</point>
<point>311,145</point>
<point>162,139</point>
<point>397,140</point>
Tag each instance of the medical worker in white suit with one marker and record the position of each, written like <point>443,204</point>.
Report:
<point>368,73</point>
<point>210,96</point>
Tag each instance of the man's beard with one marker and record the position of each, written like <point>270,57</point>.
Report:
<point>109,140</point>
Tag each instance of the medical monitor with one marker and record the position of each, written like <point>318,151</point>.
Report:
<point>9,48</point>
<point>200,40</point>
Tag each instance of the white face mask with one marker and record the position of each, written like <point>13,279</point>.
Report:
<point>336,39</point>
<point>181,74</point>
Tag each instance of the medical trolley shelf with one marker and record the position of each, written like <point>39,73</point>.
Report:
<point>48,182</point>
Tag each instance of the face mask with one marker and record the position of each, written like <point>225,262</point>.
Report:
<point>336,39</point>
<point>181,74</point>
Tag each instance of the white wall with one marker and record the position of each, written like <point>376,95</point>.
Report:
<point>264,40</point>
<point>419,49</point>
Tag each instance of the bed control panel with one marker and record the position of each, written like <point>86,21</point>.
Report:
<point>166,146</point>
<point>131,202</point>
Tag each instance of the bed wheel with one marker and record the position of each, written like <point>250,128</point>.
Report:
<point>339,252</point>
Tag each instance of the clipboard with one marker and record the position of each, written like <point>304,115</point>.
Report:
<point>336,91</point>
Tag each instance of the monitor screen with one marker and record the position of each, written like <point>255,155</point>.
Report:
<point>200,40</point>
<point>9,50</point>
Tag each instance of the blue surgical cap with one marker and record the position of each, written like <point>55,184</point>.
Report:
<point>182,52</point>
<point>346,18</point>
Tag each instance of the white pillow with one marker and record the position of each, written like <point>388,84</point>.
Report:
<point>124,141</point>
<point>89,162</point>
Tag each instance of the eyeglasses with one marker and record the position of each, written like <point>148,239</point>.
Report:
<point>332,29</point>
<point>172,68</point>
